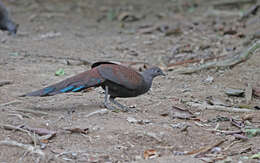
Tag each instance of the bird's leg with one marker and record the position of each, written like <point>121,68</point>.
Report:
<point>124,108</point>
<point>106,103</point>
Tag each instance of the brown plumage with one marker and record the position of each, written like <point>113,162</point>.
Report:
<point>116,80</point>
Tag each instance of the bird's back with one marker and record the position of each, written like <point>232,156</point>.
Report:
<point>122,81</point>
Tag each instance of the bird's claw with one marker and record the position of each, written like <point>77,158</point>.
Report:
<point>109,107</point>
<point>120,108</point>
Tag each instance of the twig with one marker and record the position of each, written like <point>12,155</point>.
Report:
<point>230,145</point>
<point>251,10</point>
<point>39,131</point>
<point>11,103</point>
<point>27,147</point>
<point>241,137</point>
<point>11,127</point>
<point>248,93</point>
<point>34,138</point>
<point>35,112</point>
<point>236,59</point>
<point>153,135</point>
<point>102,111</point>
<point>21,115</point>
<point>173,65</point>
<point>219,108</point>
<point>226,132</point>
<point>205,149</point>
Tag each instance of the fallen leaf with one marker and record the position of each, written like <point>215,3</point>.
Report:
<point>215,101</point>
<point>252,132</point>
<point>78,130</point>
<point>45,141</point>
<point>256,156</point>
<point>150,153</point>
<point>173,31</point>
<point>235,92</point>
<point>132,120</point>
<point>127,17</point>
<point>60,72</point>
<point>248,117</point>
<point>256,92</point>
<point>181,113</point>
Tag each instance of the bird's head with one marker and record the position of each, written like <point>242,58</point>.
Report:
<point>12,27</point>
<point>153,72</point>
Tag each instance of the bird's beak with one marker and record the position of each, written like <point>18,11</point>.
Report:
<point>163,74</point>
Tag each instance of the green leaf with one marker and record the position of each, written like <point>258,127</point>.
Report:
<point>256,156</point>
<point>60,72</point>
<point>15,54</point>
<point>252,132</point>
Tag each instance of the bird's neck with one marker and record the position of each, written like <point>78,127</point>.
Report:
<point>148,80</point>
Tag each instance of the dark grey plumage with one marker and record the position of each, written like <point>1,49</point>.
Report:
<point>6,23</point>
<point>116,80</point>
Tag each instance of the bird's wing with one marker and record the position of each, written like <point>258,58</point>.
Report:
<point>75,83</point>
<point>96,64</point>
<point>121,75</point>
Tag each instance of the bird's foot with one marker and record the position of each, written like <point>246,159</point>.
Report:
<point>109,107</point>
<point>124,108</point>
<point>120,107</point>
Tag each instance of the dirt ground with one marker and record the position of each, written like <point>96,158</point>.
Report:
<point>70,35</point>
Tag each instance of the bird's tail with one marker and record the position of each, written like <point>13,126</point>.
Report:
<point>74,84</point>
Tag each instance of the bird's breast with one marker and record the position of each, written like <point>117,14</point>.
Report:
<point>116,90</point>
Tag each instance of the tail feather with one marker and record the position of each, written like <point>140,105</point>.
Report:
<point>53,90</point>
<point>41,92</point>
<point>74,84</point>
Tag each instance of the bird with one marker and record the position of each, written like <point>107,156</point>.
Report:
<point>6,24</point>
<point>117,81</point>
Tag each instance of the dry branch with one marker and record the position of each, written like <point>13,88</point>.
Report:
<point>15,102</point>
<point>34,138</point>
<point>35,112</point>
<point>219,108</point>
<point>100,112</point>
<point>206,149</point>
<point>27,147</point>
<point>236,59</point>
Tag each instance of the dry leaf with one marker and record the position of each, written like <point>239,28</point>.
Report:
<point>78,130</point>
<point>150,153</point>
<point>256,91</point>
<point>181,113</point>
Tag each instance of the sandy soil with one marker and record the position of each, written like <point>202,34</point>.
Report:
<point>55,33</point>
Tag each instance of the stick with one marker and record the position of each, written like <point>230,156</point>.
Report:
<point>11,103</point>
<point>34,138</point>
<point>219,108</point>
<point>102,111</point>
<point>206,149</point>
<point>27,147</point>
<point>248,93</point>
<point>31,111</point>
<point>236,59</point>
<point>172,65</point>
